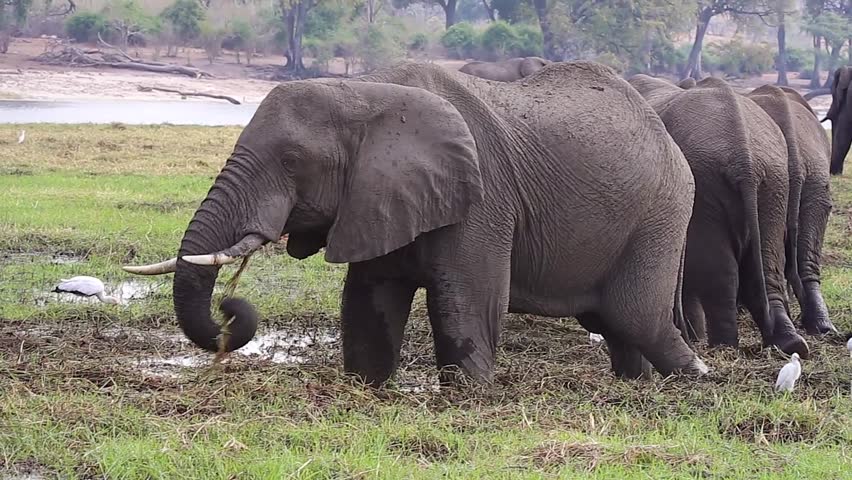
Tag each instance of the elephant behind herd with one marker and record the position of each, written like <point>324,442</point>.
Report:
<point>569,193</point>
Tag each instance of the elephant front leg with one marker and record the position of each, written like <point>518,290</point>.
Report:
<point>374,313</point>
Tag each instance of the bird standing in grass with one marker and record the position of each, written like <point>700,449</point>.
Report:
<point>788,375</point>
<point>84,286</point>
<point>21,136</point>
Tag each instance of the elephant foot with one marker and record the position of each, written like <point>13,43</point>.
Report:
<point>627,361</point>
<point>789,343</point>
<point>455,376</point>
<point>815,318</point>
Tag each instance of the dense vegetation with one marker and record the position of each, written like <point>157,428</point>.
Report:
<point>652,36</point>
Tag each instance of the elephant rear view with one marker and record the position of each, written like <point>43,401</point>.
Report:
<point>735,244</point>
<point>491,196</point>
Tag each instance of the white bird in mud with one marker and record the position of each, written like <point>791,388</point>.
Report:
<point>788,375</point>
<point>84,286</point>
<point>21,136</point>
<point>595,338</point>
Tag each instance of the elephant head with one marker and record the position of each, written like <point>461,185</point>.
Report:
<point>359,168</point>
<point>840,114</point>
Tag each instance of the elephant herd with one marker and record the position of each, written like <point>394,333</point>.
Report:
<point>647,210</point>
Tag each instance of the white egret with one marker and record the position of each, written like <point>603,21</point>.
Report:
<point>84,286</point>
<point>595,338</point>
<point>21,136</point>
<point>788,375</point>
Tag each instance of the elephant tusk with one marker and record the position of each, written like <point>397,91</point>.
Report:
<point>246,246</point>
<point>210,259</point>
<point>161,268</point>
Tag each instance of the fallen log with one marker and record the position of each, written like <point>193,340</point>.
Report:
<point>817,93</point>
<point>147,67</point>
<point>188,94</point>
<point>96,58</point>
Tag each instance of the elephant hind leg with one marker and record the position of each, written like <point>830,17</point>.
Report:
<point>374,313</point>
<point>637,305</point>
<point>627,360</point>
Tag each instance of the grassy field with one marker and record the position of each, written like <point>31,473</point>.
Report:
<point>92,390</point>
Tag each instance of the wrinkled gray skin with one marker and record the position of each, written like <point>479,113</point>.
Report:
<point>735,244</point>
<point>840,114</point>
<point>809,203</point>
<point>505,70</point>
<point>417,178</point>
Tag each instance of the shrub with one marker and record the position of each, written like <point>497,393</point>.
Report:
<point>799,60</point>
<point>378,48</point>
<point>211,37</point>
<point>419,41</point>
<point>85,26</point>
<point>739,59</point>
<point>460,40</point>
<point>528,41</point>
<point>497,39</point>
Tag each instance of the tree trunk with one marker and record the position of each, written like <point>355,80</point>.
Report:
<point>490,10</point>
<point>295,30</point>
<point>815,83</point>
<point>833,57</point>
<point>546,33</point>
<point>693,64</point>
<point>782,52</point>
<point>450,13</point>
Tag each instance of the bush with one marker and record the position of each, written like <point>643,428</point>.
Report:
<point>85,26</point>
<point>211,37</point>
<point>378,48</point>
<point>418,42</point>
<point>528,41</point>
<point>498,39</point>
<point>799,59</point>
<point>739,59</point>
<point>460,40</point>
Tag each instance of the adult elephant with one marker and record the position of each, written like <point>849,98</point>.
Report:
<point>809,203</point>
<point>505,70</point>
<point>491,196</point>
<point>840,114</point>
<point>735,243</point>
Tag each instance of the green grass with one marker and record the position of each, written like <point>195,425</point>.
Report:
<point>74,403</point>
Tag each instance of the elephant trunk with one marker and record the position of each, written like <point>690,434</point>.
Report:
<point>231,222</point>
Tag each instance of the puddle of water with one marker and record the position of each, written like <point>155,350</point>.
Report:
<point>127,291</point>
<point>276,346</point>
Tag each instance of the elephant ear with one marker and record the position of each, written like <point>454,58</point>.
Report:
<point>413,168</point>
<point>839,89</point>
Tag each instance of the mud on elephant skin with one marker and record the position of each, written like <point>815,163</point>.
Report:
<point>505,70</point>
<point>809,203</point>
<point>411,176</point>
<point>735,243</point>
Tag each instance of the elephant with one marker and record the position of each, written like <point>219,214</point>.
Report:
<point>809,204</point>
<point>840,114</point>
<point>493,197</point>
<point>506,70</point>
<point>735,241</point>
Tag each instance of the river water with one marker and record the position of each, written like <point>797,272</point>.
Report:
<point>131,112</point>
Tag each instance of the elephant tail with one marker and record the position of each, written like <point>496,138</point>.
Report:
<point>679,317</point>
<point>749,196</point>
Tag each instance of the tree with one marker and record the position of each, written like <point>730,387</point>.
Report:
<point>707,9</point>
<point>449,7</point>
<point>15,12</point>
<point>129,21</point>
<point>294,14</point>
<point>829,24</point>
<point>185,18</point>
